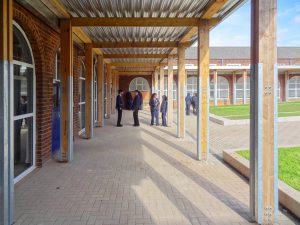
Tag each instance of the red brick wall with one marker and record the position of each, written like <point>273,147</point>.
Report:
<point>44,42</point>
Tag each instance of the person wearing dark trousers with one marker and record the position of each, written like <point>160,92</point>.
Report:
<point>163,110</point>
<point>119,106</point>
<point>188,104</point>
<point>154,107</point>
<point>136,105</point>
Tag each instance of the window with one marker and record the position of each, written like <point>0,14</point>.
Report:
<point>192,85</point>
<point>57,67</point>
<point>81,103</point>
<point>24,104</point>
<point>140,84</point>
<point>294,87</point>
<point>222,88</point>
<point>166,88</point>
<point>211,88</point>
<point>240,88</point>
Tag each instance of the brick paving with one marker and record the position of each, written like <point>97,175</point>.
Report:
<point>237,136</point>
<point>137,176</point>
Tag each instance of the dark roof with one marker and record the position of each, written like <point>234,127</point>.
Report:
<point>242,53</point>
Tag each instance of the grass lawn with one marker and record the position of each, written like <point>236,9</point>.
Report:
<point>238,112</point>
<point>289,165</point>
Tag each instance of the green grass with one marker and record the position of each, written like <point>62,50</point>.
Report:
<point>238,112</point>
<point>289,165</point>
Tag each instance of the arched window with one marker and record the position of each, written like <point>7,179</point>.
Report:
<point>24,103</point>
<point>140,84</point>
<point>240,88</point>
<point>294,87</point>
<point>191,86</point>
<point>222,88</point>
<point>82,99</point>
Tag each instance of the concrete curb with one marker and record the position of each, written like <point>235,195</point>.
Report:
<point>288,196</point>
<point>226,122</point>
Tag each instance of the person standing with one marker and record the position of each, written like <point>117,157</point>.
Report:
<point>163,110</point>
<point>119,106</point>
<point>195,103</point>
<point>154,107</point>
<point>136,107</point>
<point>188,104</point>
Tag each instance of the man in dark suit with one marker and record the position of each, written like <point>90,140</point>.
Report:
<point>119,106</point>
<point>136,106</point>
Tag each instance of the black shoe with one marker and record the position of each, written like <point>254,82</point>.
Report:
<point>136,125</point>
<point>119,125</point>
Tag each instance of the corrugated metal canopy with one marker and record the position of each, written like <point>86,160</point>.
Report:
<point>135,8</point>
<point>143,9</point>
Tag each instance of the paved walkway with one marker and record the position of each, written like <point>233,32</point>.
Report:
<point>137,176</point>
<point>237,136</point>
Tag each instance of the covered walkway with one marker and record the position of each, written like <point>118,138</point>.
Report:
<point>132,175</point>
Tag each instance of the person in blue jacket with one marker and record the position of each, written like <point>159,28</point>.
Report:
<point>136,105</point>
<point>154,106</point>
<point>163,110</point>
<point>188,104</point>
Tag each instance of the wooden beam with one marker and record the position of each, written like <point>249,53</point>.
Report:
<point>160,44</point>
<point>170,91</point>
<point>132,73</point>
<point>134,64</point>
<point>66,41</point>
<point>263,113</point>
<point>114,91</point>
<point>89,83</point>
<point>156,81</point>
<point>116,56</point>
<point>203,93</point>
<point>136,69</point>
<point>133,22</point>
<point>212,8</point>
<point>185,41</point>
<point>181,93</point>
<point>81,35</point>
<point>100,90</point>
<point>108,91</point>
<point>161,81</point>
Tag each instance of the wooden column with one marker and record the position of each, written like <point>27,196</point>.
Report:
<point>286,81</point>
<point>263,126</point>
<point>100,91</point>
<point>170,91</point>
<point>108,91</point>
<point>6,114</point>
<point>181,93</point>
<point>215,88</point>
<point>67,90</point>
<point>203,90</point>
<point>245,87</point>
<point>114,91</point>
<point>234,88</point>
<point>161,81</point>
<point>89,99</point>
<point>156,81</point>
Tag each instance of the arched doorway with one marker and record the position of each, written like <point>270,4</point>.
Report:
<point>141,84</point>
<point>24,104</point>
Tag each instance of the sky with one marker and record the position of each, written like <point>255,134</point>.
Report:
<point>235,30</point>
